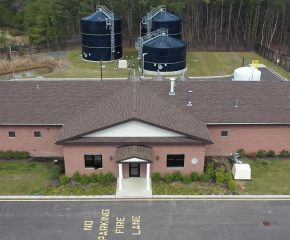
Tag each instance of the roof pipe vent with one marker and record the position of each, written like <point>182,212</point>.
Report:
<point>237,103</point>
<point>189,103</point>
<point>172,85</point>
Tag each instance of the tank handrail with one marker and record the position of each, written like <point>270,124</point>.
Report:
<point>111,23</point>
<point>149,37</point>
<point>156,10</point>
<point>106,11</point>
<point>147,20</point>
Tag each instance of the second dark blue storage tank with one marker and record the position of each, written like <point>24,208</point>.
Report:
<point>96,37</point>
<point>167,20</point>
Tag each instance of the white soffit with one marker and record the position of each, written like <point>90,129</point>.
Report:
<point>134,129</point>
<point>133,160</point>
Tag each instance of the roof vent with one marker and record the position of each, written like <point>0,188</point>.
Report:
<point>237,103</point>
<point>172,85</point>
<point>189,103</point>
<point>37,86</point>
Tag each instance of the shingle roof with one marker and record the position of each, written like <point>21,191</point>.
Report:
<point>135,151</point>
<point>85,102</point>
<point>134,102</point>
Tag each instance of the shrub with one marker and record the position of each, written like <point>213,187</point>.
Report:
<point>210,170</point>
<point>261,154</point>
<point>205,177</point>
<point>271,154</point>
<point>14,155</point>
<point>177,176</point>
<point>85,179</point>
<point>63,179</point>
<point>186,179</point>
<point>283,154</point>
<point>220,162</point>
<point>168,178</point>
<point>242,153</point>
<point>55,172</point>
<point>76,177</point>
<point>94,178</point>
<point>106,178</point>
<point>232,186</point>
<point>219,177</point>
<point>194,176</point>
<point>228,177</point>
<point>8,155</point>
<point>156,177</point>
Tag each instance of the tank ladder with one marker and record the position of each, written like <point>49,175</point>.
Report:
<point>110,22</point>
<point>147,20</point>
<point>149,37</point>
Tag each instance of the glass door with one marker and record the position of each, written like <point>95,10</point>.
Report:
<point>134,169</point>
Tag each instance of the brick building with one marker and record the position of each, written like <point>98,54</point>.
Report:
<point>135,128</point>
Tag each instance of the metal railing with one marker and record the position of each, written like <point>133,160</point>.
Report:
<point>110,22</point>
<point>149,37</point>
<point>147,20</point>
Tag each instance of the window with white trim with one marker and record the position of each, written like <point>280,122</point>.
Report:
<point>93,161</point>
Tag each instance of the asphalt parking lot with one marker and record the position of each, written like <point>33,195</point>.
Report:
<point>162,220</point>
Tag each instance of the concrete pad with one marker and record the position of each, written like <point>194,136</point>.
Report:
<point>134,188</point>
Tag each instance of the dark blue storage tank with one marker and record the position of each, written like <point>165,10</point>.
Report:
<point>96,37</point>
<point>167,20</point>
<point>164,53</point>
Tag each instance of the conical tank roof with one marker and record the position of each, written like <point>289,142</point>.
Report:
<point>98,16</point>
<point>165,42</point>
<point>164,16</point>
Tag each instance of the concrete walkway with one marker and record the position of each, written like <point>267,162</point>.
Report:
<point>134,187</point>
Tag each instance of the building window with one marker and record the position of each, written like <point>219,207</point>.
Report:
<point>224,133</point>
<point>175,160</point>
<point>12,134</point>
<point>37,134</point>
<point>93,161</point>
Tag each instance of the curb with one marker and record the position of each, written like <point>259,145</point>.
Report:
<point>277,74</point>
<point>154,197</point>
<point>208,77</point>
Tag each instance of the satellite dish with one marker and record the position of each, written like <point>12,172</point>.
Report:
<point>194,161</point>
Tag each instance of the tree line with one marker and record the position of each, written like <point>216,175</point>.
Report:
<point>207,24</point>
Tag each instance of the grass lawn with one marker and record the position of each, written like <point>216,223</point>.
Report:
<point>199,64</point>
<point>268,177</point>
<point>33,178</point>
<point>76,67</point>
<point>223,63</point>
<point>23,178</point>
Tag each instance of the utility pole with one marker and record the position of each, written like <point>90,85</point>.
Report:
<point>12,62</point>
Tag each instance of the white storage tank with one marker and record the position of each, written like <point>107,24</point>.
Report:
<point>247,74</point>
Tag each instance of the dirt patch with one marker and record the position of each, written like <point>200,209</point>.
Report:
<point>30,62</point>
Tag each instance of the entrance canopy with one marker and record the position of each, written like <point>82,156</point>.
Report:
<point>134,153</point>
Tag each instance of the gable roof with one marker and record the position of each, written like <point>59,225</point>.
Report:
<point>134,151</point>
<point>134,102</point>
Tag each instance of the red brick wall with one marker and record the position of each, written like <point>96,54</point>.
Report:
<point>188,150</point>
<point>25,140</point>
<point>74,159</point>
<point>251,138</point>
